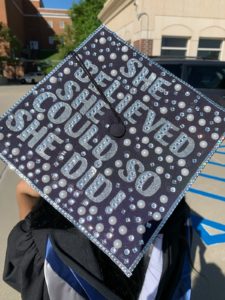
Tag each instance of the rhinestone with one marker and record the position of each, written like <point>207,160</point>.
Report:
<point>192,129</point>
<point>71,201</point>
<point>214,136</point>
<point>66,71</point>
<point>15,151</point>
<point>112,220</point>
<point>159,170</point>
<point>132,130</point>
<point>30,165</point>
<point>113,56</point>
<point>40,116</point>
<point>181,104</point>
<point>138,219</point>
<point>179,178</point>
<point>53,79</point>
<point>113,250</point>
<point>169,158</point>
<point>108,171</point>
<point>82,221</point>
<point>131,238</point>
<point>108,210</point>
<point>146,98</point>
<point>93,210</point>
<point>117,244</point>
<point>114,73</point>
<point>207,109</point>
<point>63,194</point>
<point>181,162</point>
<point>81,210</point>
<point>202,122</point>
<point>122,230</point>
<point>62,182</point>
<point>156,216</point>
<point>217,119</point>
<point>190,117</point>
<point>47,190</point>
<point>55,176</point>
<point>167,176</point>
<point>132,207</point>
<point>185,172</point>
<point>145,140</point>
<point>54,186</point>
<point>126,251</point>
<point>99,227</point>
<point>68,147</point>
<point>163,110</point>
<point>46,167</point>
<point>141,204</point>
<point>158,150</point>
<point>109,235</point>
<point>45,178</point>
<point>76,194</point>
<point>163,199</point>
<point>141,229</point>
<point>161,209</point>
<point>203,144</point>
<point>127,142</point>
<point>145,153</point>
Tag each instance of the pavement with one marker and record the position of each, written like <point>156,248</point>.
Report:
<point>208,252</point>
<point>8,180</point>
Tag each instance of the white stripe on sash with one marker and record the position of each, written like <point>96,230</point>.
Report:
<point>58,289</point>
<point>154,271</point>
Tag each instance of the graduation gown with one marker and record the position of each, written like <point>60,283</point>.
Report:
<point>24,263</point>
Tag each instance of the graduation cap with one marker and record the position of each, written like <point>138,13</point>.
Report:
<point>112,141</point>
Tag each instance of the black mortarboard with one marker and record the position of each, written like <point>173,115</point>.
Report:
<point>113,142</point>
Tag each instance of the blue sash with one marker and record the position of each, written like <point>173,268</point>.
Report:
<point>81,286</point>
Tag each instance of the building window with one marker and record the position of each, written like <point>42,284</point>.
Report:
<point>61,24</point>
<point>209,48</point>
<point>174,46</point>
<point>51,40</point>
<point>50,24</point>
<point>34,45</point>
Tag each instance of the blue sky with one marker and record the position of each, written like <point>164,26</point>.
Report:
<point>58,3</point>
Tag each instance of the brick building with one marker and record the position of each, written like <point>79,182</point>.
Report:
<point>33,25</point>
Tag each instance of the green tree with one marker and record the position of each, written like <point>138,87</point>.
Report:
<point>84,22</point>
<point>10,46</point>
<point>9,40</point>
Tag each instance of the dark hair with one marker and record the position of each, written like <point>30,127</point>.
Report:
<point>44,215</point>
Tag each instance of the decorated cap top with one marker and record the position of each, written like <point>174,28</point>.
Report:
<point>112,141</point>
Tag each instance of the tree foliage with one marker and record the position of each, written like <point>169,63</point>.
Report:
<point>84,22</point>
<point>9,46</point>
<point>7,38</point>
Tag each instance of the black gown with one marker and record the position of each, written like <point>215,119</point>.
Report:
<point>24,263</point>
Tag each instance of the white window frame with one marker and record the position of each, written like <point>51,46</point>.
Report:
<point>51,40</point>
<point>176,48</point>
<point>34,45</point>
<point>50,23</point>
<point>61,24</point>
<point>211,49</point>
